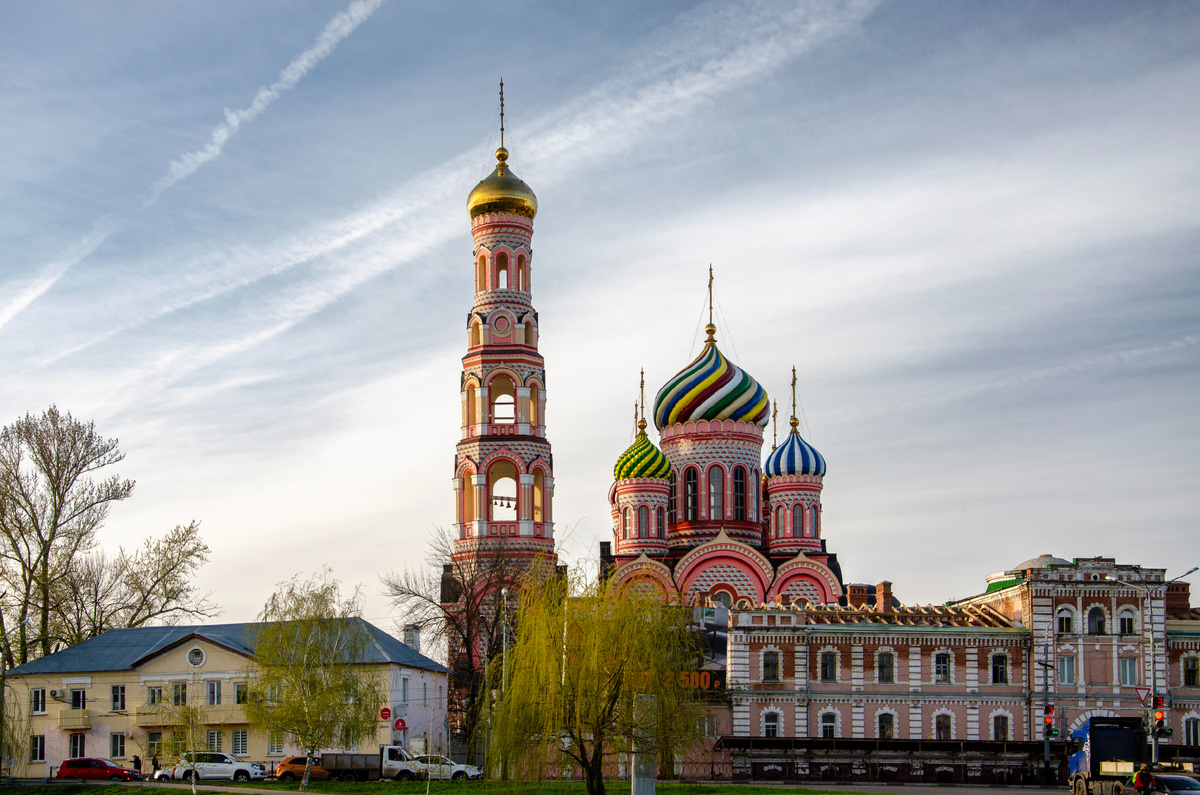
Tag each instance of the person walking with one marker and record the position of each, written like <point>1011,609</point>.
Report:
<point>137,763</point>
<point>154,764</point>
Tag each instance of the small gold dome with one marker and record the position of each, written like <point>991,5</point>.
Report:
<point>502,192</point>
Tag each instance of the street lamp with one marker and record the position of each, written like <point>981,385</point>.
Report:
<point>1148,612</point>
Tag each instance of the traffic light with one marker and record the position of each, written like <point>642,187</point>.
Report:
<point>1159,703</point>
<point>1160,723</point>
<point>1048,711</point>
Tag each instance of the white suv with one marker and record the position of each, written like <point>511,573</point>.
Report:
<point>211,765</point>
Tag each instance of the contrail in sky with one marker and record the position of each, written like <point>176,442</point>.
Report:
<point>187,164</point>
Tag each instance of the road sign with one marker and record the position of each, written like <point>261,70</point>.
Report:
<point>1142,692</point>
<point>400,724</point>
<point>385,714</point>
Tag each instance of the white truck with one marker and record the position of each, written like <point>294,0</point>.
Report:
<point>392,762</point>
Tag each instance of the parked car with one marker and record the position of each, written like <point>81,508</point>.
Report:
<point>216,765</point>
<point>1186,785</point>
<point>96,769</point>
<point>292,768</point>
<point>439,767</point>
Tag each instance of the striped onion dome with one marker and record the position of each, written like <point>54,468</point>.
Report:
<point>711,388</point>
<point>642,459</point>
<point>795,457</point>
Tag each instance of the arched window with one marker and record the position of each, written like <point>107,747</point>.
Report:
<point>468,497</point>
<point>829,726</point>
<point>672,508</point>
<point>643,530</point>
<point>1127,623</point>
<point>658,523</point>
<point>1065,624</point>
<point>887,726</point>
<point>814,527</point>
<point>739,494</point>
<point>691,495</point>
<point>1095,621</point>
<point>716,494</point>
<point>798,520</point>
<point>522,273</point>
<point>476,334</point>
<point>779,521</point>
<point>539,496</point>
<point>502,271</point>
<point>481,282</point>
<point>755,487</point>
<point>887,668</point>
<point>534,404</point>
<point>530,333</point>
<point>470,408</point>
<point>625,520</point>
<point>771,724</point>
<point>502,479</point>
<point>942,728</point>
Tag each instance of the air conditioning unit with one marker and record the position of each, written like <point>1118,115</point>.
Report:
<point>57,694</point>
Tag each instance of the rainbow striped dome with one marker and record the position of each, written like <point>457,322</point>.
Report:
<point>795,457</point>
<point>711,388</point>
<point>642,460</point>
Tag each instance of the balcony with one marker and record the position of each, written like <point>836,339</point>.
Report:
<point>75,719</point>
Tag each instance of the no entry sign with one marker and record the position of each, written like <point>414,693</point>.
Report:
<point>385,714</point>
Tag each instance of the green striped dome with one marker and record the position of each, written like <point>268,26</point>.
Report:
<point>642,460</point>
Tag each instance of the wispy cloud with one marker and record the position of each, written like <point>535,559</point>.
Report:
<point>187,164</point>
<point>699,58</point>
<point>338,28</point>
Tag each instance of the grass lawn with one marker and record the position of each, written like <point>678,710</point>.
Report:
<point>412,788</point>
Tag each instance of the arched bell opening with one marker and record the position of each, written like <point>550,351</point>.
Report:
<point>503,497</point>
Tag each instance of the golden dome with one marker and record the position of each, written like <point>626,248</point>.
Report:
<point>502,192</point>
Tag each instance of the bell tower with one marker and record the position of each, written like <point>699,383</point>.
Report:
<point>503,469</point>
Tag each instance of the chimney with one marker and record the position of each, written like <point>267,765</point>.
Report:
<point>883,597</point>
<point>412,637</point>
<point>1179,598</point>
<point>857,595</point>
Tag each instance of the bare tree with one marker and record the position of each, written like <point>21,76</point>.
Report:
<point>50,508</point>
<point>154,584</point>
<point>457,602</point>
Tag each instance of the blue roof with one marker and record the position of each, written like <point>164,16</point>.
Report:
<point>122,649</point>
<point>795,457</point>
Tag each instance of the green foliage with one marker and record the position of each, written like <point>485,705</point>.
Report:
<point>308,681</point>
<point>594,670</point>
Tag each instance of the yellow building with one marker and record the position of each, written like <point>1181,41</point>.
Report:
<point>114,696</point>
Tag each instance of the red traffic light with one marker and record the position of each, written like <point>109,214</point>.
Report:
<point>1160,715</point>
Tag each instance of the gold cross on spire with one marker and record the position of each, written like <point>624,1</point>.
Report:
<point>710,329</point>
<point>794,422</point>
<point>502,113</point>
<point>774,424</point>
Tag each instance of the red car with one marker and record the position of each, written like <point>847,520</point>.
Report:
<point>95,768</point>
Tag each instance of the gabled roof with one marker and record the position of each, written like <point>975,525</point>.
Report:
<point>125,649</point>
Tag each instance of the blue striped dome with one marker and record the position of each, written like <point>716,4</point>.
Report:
<point>795,457</point>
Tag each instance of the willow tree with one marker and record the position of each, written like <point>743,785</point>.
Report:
<point>308,680</point>
<point>593,671</point>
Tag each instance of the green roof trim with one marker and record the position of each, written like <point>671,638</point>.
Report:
<point>999,586</point>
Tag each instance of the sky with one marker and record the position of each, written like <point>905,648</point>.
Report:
<point>234,235</point>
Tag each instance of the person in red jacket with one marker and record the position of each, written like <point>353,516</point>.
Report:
<point>1143,782</point>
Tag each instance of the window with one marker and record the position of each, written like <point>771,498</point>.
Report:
<point>814,526</point>
<point>274,743</point>
<point>1191,731</point>
<point>154,696</point>
<point>118,698</point>
<point>195,657</point>
<point>829,726</point>
<point>1000,728</point>
<point>828,666</point>
<point>887,726</point>
<point>708,726</point>
<point>404,690</point>
<point>941,668</point>
<point>154,744</point>
<point>1191,672</point>
<point>1128,669</point>
<point>942,730</point>
<point>116,745</point>
<point>1066,670</point>
<point>672,506</point>
<point>37,748</point>
<point>214,693</point>
<point>887,668</point>
<point>797,521</point>
<point>179,694</point>
<point>1095,621</point>
<point>999,669</point>
<point>240,742</point>
<point>1064,622</point>
<point>658,523</point>
<point>626,520</point>
<point>77,745</point>
<point>691,497</point>
<point>739,495</point>
<point>240,693</point>
<point>214,740</point>
<point>78,699</point>
<point>778,522</point>
<point>771,725</point>
<point>716,494</point>
<point>1126,624</point>
<point>643,529</point>
<point>37,701</point>
<point>771,667</point>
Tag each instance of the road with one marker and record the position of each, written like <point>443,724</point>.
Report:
<point>866,786</point>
